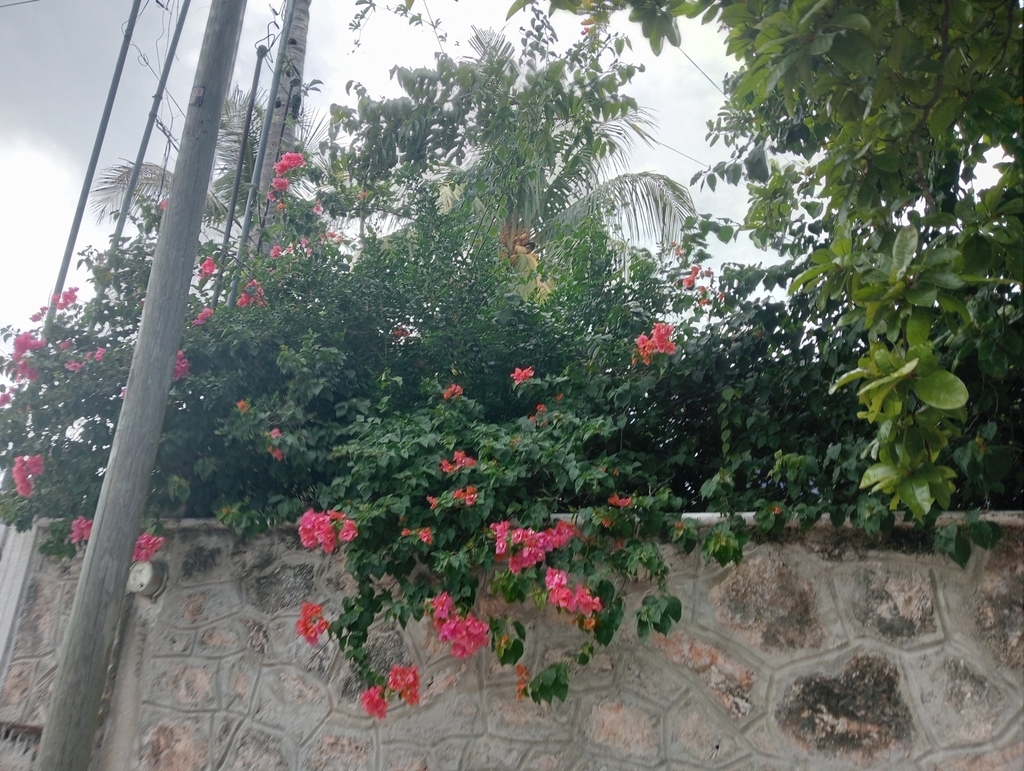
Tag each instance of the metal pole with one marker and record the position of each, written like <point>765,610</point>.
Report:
<point>71,719</point>
<point>261,152</point>
<point>122,216</point>
<point>87,184</point>
<point>261,54</point>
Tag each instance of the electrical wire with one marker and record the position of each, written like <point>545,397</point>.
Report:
<point>702,72</point>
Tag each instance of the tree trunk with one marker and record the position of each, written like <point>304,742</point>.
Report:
<point>289,94</point>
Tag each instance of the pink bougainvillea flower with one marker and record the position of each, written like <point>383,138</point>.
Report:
<point>66,299</point>
<point>40,314</point>
<point>26,372</point>
<point>405,681</point>
<point>318,209</point>
<point>5,399</point>
<point>288,162</point>
<point>276,453</point>
<point>585,602</point>
<point>462,460</point>
<point>73,366</point>
<point>618,502</point>
<point>24,343</point>
<point>203,317</point>
<point>100,353</point>
<point>425,535</point>
<point>275,251</point>
<point>315,529</point>
<point>81,529</point>
<point>163,204</point>
<point>251,295</point>
<point>311,623</point>
<point>374,702</point>
<point>451,392</point>
<point>521,375</point>
<point>447,466</point>
<point>275,433</point>
<point>64,344</point>
<point>181,369</point>
<point>658,342</point>
<point>348,531</point>
<point>431,499</point>
<point>466,633</point>
<point>208,268</point>
<point>146,545</point>
<point>500,530</point>
<point>242,405</point>
<point>280,184</point>
<point>27,468</point>
<point>467,495</point>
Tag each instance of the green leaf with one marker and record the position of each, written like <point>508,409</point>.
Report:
<point>943,114</point>
<point>881,474</point>
<point>854,52</point>
<point>917,494</point>
<point>942,389</point>
<point>903,250</point>
<point>516,7</point>
<point>919,326</point>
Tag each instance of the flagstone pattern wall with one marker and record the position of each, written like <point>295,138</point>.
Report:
<point>824,651</point>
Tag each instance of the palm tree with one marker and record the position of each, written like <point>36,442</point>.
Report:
<point>536,139</point>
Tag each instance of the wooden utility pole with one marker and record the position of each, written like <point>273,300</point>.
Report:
<point>71,721</point>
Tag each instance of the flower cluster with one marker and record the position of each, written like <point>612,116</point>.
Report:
<point>423,533</point>
<point>461,460</point>
<point>27,468</point>
<point>562,596</point>
<point>520,376</point>
<point>466,633</point>
<point>451,392</point>
<point>659,342</point>
<point>208,268</point>
<point>280,183</point>
<point>466,494</point>
<point>146,546</point>
<point>311,623</point>
<point>24,343</point>
<point>203,317</point>
<point>326,529</point>
<point>252,294</point>
<point>403,682</point>
<point>525,547</point>
<point>65,299</point>
<point>618,502</point>
<point>81,529</point>
<point>181,367</point>
<point>5,398</point>
<point>695,273</point>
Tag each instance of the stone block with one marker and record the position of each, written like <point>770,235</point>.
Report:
<point>171,642</point>
<point>404,758</point>
<point>16,695</point>
<point>257,750</point>
<point>175,745</point>
<point>39,623</point>
<point>858,713</point>
<point>526,720</point>
<point>1007,759</point>
<point>494,753</point>
<point>203,558</point>
<point>728,681</point>
<point>769,605</point>
<point>291,701</point>
<point>340,750</point>
<point>185,684</point>
<point>626,731</point>
<point>963,705</point>
<point>186,608</point>
<point>1000,602</point>
<point>698,738</point>
<point>281,589</point>
<point>893,603</point>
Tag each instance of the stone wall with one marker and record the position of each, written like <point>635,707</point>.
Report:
<point>823,651</point>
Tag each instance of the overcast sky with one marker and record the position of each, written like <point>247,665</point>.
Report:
<point>58,57</point>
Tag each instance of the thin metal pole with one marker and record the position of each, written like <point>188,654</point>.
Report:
<point>261,152</point>
<point>87,183</point>
<point>122,216</point>
<point>71,719</point>
<point>261,54</point>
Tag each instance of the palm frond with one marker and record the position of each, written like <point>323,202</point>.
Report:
<point>644,205</point>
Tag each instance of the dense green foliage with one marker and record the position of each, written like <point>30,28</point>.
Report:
<point>327,389</point>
